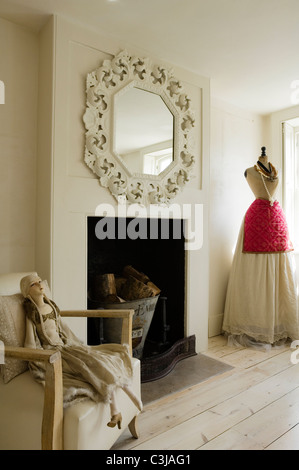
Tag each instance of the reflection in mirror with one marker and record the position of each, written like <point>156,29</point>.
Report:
<point>143,133</point>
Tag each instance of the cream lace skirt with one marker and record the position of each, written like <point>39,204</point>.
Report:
<point>262,297</point>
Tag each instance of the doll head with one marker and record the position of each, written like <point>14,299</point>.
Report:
<point>29,282</point>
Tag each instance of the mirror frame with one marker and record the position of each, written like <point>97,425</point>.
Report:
<point>103,86</point>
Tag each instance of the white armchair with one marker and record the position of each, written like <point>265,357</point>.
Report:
<point>32,416</point>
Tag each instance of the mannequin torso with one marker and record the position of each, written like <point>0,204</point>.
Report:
<point>257,182</point>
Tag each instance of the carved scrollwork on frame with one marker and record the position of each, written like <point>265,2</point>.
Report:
<point>103,85</point>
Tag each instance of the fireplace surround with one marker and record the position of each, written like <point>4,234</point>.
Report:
<point>155,247</point>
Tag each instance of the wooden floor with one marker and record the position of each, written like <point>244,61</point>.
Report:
<point>254,406</point>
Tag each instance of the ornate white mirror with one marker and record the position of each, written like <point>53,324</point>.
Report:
<point>138,124</point>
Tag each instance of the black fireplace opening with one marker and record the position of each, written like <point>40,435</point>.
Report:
<point>155,247</point>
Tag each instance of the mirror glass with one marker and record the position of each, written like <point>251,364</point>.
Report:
<point>143,132</point>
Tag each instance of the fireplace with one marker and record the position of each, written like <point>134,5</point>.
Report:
<point>155,247</point>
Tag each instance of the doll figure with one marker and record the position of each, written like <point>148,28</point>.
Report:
<point>93,372</point>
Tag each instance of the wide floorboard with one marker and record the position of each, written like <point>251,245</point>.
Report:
<point>254,406</point>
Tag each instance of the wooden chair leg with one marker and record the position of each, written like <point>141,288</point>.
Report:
<point>133,427</point>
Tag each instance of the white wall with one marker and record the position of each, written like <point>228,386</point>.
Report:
<point>45,145</point>
<point>236,139</point>
<point>18,133</point>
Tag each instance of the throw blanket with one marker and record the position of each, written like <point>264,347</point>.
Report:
<point>265,229</point>
<point>89,372</point>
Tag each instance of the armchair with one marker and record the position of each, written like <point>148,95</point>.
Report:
<point>32,416</point>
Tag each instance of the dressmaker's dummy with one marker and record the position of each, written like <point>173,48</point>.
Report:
<point>261,303</point>
<point>255,181</point>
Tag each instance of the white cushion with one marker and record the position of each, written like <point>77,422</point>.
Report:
<point>21,408</point>
<point>10,283</point>
<point>12,332</point>
<point>85,424</point>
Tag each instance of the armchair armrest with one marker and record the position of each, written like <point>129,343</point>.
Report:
<point>126,315</point>
<point>52,423</point>
<point>29,354</point>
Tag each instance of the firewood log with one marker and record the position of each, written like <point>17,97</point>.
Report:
<point>104,286</point>
<point>119,282</point>
<point>130,271</point>
<point>154,288</point>
<point>134,289</point>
